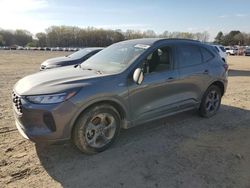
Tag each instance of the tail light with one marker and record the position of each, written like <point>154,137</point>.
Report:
<point>225,66</point>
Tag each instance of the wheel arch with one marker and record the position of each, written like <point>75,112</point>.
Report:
<point>117,105</point>
<point>219,84</point>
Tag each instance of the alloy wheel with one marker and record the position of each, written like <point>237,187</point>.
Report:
<point>100,130</point>
<point>212,101</point>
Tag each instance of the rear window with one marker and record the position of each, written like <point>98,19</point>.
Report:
<point>189,55</point>
<point>206,54</point>
<point>217,50</point>
<point>222,48</point>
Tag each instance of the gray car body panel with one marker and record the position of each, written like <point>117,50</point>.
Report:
<point>159,95</point>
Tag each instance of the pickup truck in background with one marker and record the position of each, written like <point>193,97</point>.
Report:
<point>230,51</point>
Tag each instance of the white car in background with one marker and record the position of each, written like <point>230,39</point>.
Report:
<point>230,51</point>
<point>222,51</point>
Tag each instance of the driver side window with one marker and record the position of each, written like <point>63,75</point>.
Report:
<point>158,61</point>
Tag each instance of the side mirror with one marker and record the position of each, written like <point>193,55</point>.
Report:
<point>138,76</point>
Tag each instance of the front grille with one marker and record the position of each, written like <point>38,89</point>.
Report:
<point>17,103</point>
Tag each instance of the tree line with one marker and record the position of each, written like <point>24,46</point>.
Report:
<point>68,36</point>
<point>17,37</point>
<point>233,38</point>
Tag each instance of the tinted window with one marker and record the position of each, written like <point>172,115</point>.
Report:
<point>222,48</point>
<point>206,55</point>
<point>216,48</point>
<point>158,61</point>
<point>189,55</point>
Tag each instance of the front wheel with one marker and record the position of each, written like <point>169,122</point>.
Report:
<point>211,101</point>
<point>96,129</point>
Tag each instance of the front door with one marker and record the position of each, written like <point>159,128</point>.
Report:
<point>157,93</point>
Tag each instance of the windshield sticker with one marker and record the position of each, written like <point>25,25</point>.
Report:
<point>143,46</point>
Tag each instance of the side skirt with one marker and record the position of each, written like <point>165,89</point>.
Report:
<point>130,124</point>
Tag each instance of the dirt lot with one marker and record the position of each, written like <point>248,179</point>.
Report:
<point>180,151</point>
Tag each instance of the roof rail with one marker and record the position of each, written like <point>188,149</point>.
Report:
<point>183,39</point>
<point>180,39</point>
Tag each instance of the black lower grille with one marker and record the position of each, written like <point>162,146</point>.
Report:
<point>49,121</point>
<point>17,102</point>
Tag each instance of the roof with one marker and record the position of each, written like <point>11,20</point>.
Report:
<point>150,41</point>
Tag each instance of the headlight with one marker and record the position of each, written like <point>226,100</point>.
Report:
<point>52,66</point>
<point>50,99</point>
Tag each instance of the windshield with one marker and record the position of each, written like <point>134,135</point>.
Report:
<point>115,58</point>
<point>79,54</point>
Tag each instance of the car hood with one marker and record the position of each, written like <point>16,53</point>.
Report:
<point>57,60</point>
<point>55,81</point>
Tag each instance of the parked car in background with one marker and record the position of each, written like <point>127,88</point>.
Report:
<point>73,59</point>
<point>20,48</point>
<point>6,48</point>
<point>126,84</point>
<point>13,47</point>
<point>236,50</point>
<point>222,51</point>
<point>230,51</point>
<point>247,52</point>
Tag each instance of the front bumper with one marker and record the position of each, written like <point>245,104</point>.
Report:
<point>45,123</point>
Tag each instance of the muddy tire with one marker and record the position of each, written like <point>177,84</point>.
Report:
<point>96,128</point>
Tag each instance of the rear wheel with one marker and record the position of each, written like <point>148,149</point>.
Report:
<point>96,129</point>
<point>211,101</point>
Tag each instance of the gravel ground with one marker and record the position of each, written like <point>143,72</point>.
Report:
<point>184,150</point>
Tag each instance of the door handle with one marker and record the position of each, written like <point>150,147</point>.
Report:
<point>170,79</point>
<point>206,71</point>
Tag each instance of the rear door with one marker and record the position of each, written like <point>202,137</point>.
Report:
<point>193,72</point>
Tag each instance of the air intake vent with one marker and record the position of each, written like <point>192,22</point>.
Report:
<point>17,103</point>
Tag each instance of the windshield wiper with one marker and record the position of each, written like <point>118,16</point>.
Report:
<point>99,72</point>
<point>77,65</point>
<point>89,69</point>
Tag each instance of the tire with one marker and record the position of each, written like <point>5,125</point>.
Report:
<point>96,128</point>
<point>210,102</point>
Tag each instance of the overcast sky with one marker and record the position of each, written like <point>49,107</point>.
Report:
<point>175,15</point>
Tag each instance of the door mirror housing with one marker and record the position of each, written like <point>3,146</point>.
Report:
<point>138,76</point>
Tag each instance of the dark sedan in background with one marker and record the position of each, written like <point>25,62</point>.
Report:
<point>73,59</point>
<point>247,52</point>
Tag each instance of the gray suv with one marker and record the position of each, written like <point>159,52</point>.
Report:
<point>126,84</point>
